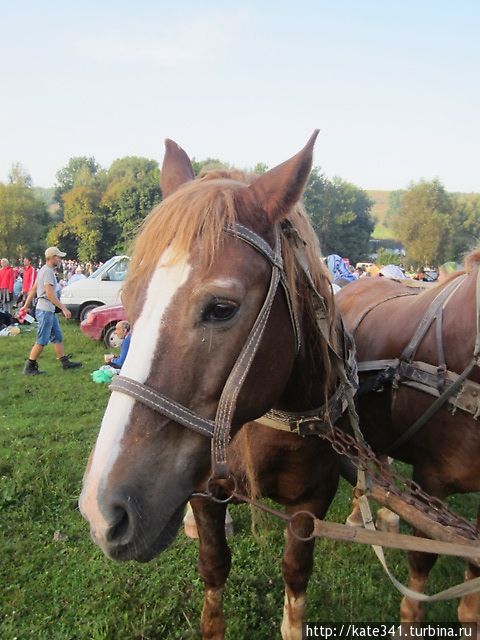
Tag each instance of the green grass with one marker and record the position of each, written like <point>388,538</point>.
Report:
<point>381,232</point>
<point>69,590</point>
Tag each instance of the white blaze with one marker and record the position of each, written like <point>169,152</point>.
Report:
<point>165,282</point>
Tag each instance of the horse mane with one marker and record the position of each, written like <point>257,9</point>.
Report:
<point>472,260</point>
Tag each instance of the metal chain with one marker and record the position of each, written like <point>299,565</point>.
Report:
<point>361,455</point>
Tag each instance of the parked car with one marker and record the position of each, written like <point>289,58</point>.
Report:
<point>100,324</point>
<point>101,288</point>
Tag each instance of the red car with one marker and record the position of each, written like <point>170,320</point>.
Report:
<point>100,324</point>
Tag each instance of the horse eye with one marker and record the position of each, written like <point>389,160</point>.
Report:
<point>219,311</point>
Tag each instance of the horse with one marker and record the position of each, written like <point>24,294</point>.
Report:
<point>198,284</point>
<point>444,452</point>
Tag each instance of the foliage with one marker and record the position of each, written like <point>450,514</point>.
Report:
<point>423,223</point>
<point>464,226</point>
<point>133,190</point>
<point>384,256</point>
<point>23,217</point>
<point>382,232</point>
<point>53,589</point>
<point>208,165</point>
<point>340,213</point>
<point>79,171</point>
<point>260,168</point>
<point>394,205</point>
<point>83,219</point>
<point>101,210</point>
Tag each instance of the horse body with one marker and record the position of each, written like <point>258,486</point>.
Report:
<point>444,453</point>
<point>193,294</point>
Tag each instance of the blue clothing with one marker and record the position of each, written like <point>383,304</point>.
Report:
<point>338,268</point>
<point>117,363</point>
<point>48,329</point>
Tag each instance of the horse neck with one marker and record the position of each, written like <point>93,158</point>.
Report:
<point>306,386</point>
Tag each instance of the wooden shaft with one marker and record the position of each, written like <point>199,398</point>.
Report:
<point>345,533</point>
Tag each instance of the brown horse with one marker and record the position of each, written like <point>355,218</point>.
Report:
<point>444,453</point>
<point>193,294</point>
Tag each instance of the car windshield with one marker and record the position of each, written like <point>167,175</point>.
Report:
<point>105,266</point>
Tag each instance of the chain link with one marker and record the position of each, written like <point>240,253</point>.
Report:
<point>362,456</point>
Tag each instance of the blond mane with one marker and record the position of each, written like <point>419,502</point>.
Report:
<point>472,260</point>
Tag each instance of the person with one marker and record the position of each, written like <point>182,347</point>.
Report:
<point>48,329</point>
<point>393,272</point>
<point>78,275</point>
<point>29,277</point>
<point>420,275</point>
<point>7,281</point>
<point>338,268</point>
<point>122,331</point>
<point>17,289</point>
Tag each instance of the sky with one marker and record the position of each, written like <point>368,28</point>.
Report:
<point>393,86</point>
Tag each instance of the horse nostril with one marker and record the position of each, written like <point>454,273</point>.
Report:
<point>119,532</point>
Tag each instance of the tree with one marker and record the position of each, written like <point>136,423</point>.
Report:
<point>79,171</point>
<point>79,220</point>
<point>423,223</point>
<point>260,168</point>
<point>340,214</point>
<point>82,222</point>
<point>133,190</point>
<point>464,225</point>
<point>23,217</point>
<point>394,206</point>
<point>208,164</point>
<point>18,175</point>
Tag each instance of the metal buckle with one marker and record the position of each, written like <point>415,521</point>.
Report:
<point>310,426</point>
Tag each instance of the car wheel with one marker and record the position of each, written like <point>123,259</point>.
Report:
<point>86,310</point>
<point>110,338</point>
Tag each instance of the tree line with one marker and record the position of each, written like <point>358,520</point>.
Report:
<point>95,212</point>
<point>434,226</point>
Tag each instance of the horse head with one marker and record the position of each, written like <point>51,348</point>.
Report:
<point>193,294</point>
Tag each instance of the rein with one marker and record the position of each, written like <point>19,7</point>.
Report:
<point>218,430</point>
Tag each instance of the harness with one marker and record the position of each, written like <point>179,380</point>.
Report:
<point>444,385</point>
<point>312,422</point>
<point>218,430</point>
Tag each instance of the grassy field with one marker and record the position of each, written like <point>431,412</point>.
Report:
<point>380,204</point>
<point>55,584</point>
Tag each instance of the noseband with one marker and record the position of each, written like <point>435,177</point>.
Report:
<point>219,429</point>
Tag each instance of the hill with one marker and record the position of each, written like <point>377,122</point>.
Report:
<point>380,203</point>
<point>380,207</point>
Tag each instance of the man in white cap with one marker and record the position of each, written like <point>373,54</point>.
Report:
<point>48,329</point>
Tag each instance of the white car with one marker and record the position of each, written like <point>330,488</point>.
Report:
<point>102,287</point>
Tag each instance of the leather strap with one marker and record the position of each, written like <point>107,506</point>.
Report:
<point>431,313</point>
<point>234,383</point>
<point>219,431</point>
<point>373,306</point>
<point>160,403</point>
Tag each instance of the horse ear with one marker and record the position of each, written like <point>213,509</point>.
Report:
<point>176,169</point>
<point>280,188</point>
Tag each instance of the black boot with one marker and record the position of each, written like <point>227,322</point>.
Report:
<point>31,368</point>
<point>68,364</point>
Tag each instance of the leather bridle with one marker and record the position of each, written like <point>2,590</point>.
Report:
<point>219,429</point>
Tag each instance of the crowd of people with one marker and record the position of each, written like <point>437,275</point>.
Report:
<point>25,288</point>
<point>342,272</point>
<point>16,280</point>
